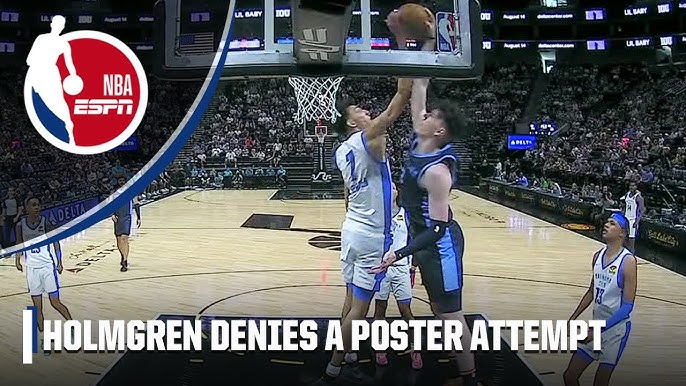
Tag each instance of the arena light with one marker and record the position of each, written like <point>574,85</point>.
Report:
<point>84,19</point>
<point>596,45</point>
<point>663,8</point>
<point>594,14</point>
<point>9,16</point>
<point>200,16</point>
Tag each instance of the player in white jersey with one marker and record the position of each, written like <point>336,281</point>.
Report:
<point>43,264</point>
<point>365,234</point>
<point>612,291</point>
<point>634,207</point>
<point>399,280</point>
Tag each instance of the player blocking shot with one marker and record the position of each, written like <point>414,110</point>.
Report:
<point>366,230</point>
<point>436,239</point>
<point>399,281</point>
<point>612,292</point>
<point>43,264</point>
<point>365,233</point>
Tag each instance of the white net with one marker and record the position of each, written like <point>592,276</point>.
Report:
<point>316,97</point>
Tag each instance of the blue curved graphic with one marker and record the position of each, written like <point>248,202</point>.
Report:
<point>52,124</point>
<point>155,167</point>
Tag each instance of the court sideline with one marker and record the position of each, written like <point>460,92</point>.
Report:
<point>192,254</point>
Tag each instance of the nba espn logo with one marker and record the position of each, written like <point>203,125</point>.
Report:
<point>85,92</point>
<point>447,32</point>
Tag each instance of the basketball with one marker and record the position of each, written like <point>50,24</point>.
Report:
<point>412,21</point>
<point>72,85</point>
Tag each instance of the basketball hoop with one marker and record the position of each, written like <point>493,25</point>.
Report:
<point>321,132</point>
<point>316,98</point>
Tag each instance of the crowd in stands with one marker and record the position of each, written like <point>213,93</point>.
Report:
<point>31,167</point>
<point>619,124</point>
<point>253,123</point>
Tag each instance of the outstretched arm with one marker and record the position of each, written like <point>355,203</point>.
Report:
<point>381,123</point>
<point>418,101</point>
<point>419,89</point>
<point>395,107</point>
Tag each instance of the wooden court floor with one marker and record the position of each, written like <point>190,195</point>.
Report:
<point>191,255</point>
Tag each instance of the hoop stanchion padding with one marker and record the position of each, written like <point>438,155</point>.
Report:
<point>316,97</point>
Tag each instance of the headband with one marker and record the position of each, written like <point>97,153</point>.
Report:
<point>621,220</point>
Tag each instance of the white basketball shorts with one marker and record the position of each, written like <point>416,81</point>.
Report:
<point>397,281</point>
<point>360,252</point>
<point>632,231</point>
<point>42,280</point>
<point>613,342</point>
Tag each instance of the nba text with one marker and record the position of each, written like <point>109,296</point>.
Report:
<point>293,335</point>
<point>114,85</point>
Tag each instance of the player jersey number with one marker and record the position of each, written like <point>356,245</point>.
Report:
<point>599,295</point>
<point>350,157</point>
<point>355,185</point>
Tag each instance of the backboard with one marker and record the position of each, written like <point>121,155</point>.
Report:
<point>263,45</point>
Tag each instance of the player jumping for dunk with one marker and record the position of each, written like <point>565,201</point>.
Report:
<point>366,230</point>
<point>437,242</point>
<point>612,291</point>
